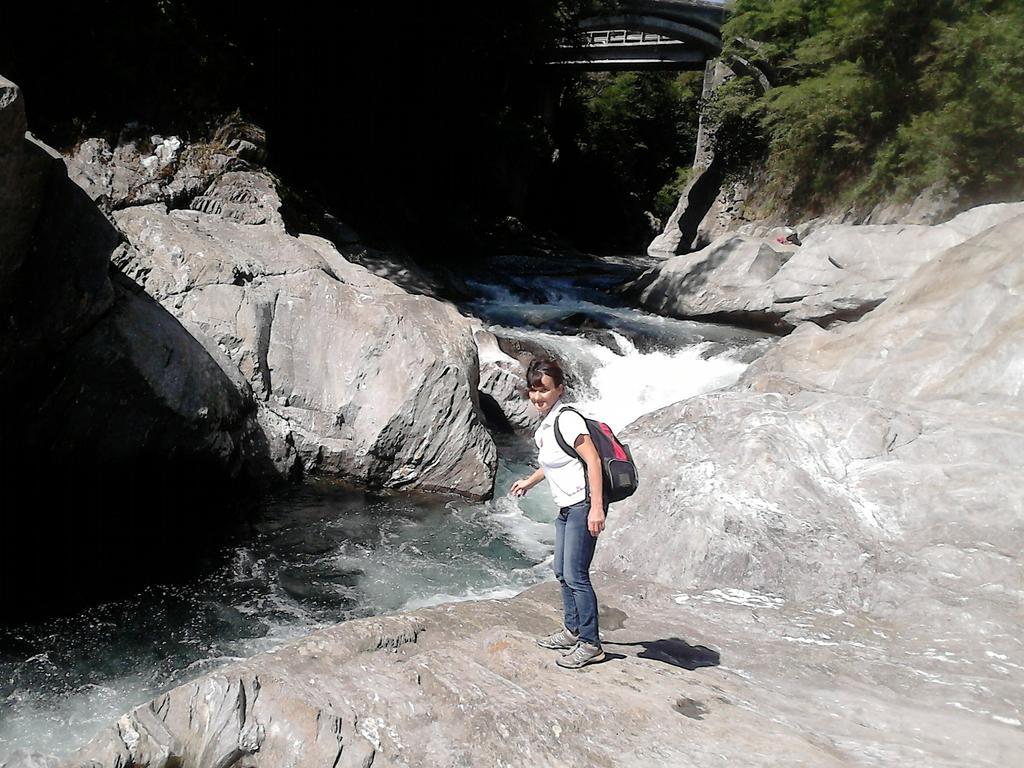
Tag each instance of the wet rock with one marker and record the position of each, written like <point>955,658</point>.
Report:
<point>839,273</point>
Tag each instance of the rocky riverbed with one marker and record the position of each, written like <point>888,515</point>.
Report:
<point>817,571</point>
<point>821,567</point>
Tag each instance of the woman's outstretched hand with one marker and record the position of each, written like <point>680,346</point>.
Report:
<point>520,487</point>
<point>595,521</point>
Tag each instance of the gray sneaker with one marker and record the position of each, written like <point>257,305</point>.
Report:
<point>581,655</point>
<point>561,640</point>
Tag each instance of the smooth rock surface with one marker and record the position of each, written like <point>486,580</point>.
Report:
<point>852,450</point>
<point>870,468</point>
<point>185,404</point>
<point>693,678</point>
<point>839,273</point>
<point>353,376</point>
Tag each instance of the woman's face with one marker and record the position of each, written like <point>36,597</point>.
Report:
<point>545,395</point>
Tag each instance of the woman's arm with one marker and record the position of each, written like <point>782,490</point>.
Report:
<point>520,487</point>
<point>585,448</point>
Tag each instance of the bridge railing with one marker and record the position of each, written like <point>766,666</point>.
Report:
<point>616,37</point>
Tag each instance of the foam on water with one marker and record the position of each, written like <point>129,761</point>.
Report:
<point>619,387</point>
<point>634,384</point>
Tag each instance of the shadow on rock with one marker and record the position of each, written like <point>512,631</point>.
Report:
<point>674,651</point>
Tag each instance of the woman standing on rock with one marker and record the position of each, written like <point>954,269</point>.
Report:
<point>581,516</point>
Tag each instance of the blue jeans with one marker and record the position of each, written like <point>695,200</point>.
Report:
<point>574,549</point>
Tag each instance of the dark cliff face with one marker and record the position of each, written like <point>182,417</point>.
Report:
<point>412,119</point>
<point>119,428</point>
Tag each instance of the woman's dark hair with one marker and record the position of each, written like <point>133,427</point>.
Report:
<point>541,366</point>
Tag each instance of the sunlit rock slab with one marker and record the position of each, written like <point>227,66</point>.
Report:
<point>840,273</point>
<point>693,678</point>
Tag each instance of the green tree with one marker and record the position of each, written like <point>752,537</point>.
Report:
<point>878,97</point>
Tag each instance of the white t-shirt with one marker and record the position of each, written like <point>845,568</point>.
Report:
<point>564,473</point>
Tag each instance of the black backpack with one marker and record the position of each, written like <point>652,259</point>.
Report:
<point>617,467</point>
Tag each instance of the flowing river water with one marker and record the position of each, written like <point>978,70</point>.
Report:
<point>315,554</point>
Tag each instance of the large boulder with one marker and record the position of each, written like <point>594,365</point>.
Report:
<point>353,376</point>
<point>54,247</point>
<point>681,227</point>
<point>139,389</point>
<point>874,466</point>
<point>839,273</point>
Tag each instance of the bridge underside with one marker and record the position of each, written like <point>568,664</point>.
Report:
<point>646,35</point>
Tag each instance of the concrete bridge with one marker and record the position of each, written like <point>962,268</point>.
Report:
<point>646,34</point>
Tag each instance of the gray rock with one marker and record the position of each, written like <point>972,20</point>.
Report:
<point>680,227</point>
<point>244,196</point>
<point>728,278</point>
<point>727,214</point>
<point>25,758</point>
<point>873,467</point>
<point>73,348</point>
<point>503,379</point>
<point>148,168</point>
<point>694,678</point>
<point>934,205</point>
<point>12,115</point>
<point>838,274</point>
<point>139,383</point>
<point>102,388</point>
<point>55,249</point>
<point>353,376</point>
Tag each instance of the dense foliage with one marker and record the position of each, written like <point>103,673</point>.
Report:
<point>874,98</point>
<point>625,144</point>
